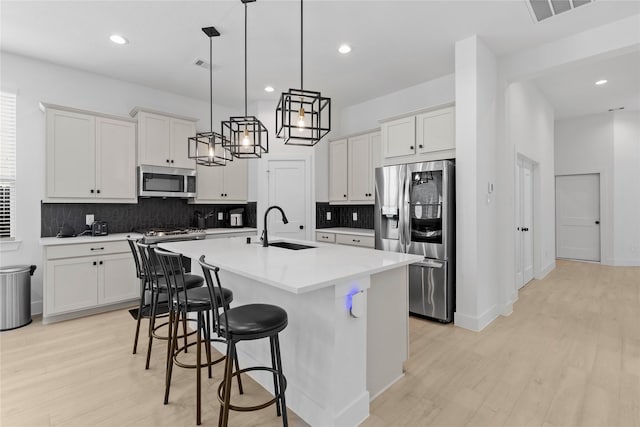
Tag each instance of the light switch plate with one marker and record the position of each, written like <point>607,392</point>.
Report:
<point>220,216</point>
<point>355,216</point>
<point>328,216</point>
<point>89,218</point>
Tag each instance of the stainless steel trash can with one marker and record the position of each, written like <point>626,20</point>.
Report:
<point>15,296</point>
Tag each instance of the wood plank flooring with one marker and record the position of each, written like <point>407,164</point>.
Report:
<point>569,355</point>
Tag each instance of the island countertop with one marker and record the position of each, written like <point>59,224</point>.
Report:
<point>290,270</point>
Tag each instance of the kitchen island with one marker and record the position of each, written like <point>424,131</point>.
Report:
<point>347,337</point>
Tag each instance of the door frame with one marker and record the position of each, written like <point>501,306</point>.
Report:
<point>310,190</point>
<point>601,212</point>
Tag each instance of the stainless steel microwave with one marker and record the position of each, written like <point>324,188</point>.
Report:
<point>160,181</point>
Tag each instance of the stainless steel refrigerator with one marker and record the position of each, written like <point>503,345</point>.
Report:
<point>415,213</point>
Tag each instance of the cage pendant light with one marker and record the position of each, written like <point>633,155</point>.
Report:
<point>245,136</point>
<point>303,117</point>
<point>207,148</point>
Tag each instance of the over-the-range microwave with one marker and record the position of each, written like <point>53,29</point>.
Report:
<point>160,181</point>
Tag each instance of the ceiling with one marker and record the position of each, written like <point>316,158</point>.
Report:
<point>396,44</point>
<point>573,92</point>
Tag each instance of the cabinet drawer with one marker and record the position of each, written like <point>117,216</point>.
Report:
<point>353,240</point>
<point>87,249</point>
<point>325,237</point>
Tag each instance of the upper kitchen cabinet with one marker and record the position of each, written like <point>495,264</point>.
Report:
<point>422,137</point>
<point>163,138</point>
<point>222,184</point>
<point>90,156</point>
<point>352,162</point>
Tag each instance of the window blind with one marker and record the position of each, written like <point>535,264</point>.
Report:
<point>7,165</point>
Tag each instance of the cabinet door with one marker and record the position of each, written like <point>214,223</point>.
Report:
<point>359,168</point>
<point>399,137</point>
<point>117,279</point>
<point>209,183</point>
<point>181,130</point>
<point>72,284</point>
<point>154,139</point>
<point>235,181</point>
<point>375,141</point>
<point>115,159</point>
<point>435,131</point>
<point>338,171</point>
<point>70,154</point>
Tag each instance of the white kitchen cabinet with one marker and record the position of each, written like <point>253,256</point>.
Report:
<point>347,236</point>
<point>90,156</point>
<point>222,184</point>
<point>338,158</point>
<point>352,164</point>
<point>81,277</point>
<point>163,138</point>
<point>435,131</point>
<point>422,137</point>
<point>399,137</point>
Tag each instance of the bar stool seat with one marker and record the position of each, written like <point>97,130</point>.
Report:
<point>254,321</point>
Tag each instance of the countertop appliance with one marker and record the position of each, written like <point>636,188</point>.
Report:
<point>155,235</point>
<point>415,214</point>
<point>160,181</point>
<point>235,217</point>
<point>99,228</point>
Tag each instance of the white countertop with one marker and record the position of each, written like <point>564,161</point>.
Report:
<point>53,241</point>
<point>346,230</point>
<point>293,271</point>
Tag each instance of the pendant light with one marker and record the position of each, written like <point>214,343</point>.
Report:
<point>245,136</point>
<point>207,148</point>
<point>303,117</point>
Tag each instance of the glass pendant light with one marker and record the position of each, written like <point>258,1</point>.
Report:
<point>303,117</point>
<point>207,148</point>
<point>245,136</point>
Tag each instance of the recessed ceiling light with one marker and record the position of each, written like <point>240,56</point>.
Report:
<point>601,82</point>
<point>344,49</point>
<point>118,39</point>
<point>269,89</point>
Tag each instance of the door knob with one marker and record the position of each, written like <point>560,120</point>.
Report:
<point>597,222</point>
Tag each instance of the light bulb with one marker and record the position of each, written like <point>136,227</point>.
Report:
<point>301,124</point>
<point>245,139</point>
<point>210,153</point>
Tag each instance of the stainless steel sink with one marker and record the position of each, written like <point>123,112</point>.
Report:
<point>289,245</point>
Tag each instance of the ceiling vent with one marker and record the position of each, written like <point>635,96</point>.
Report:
<point>198,62</point>
<point>543,9</point>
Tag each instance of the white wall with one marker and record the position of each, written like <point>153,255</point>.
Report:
<point>38,81</point>
<point>608,144</point>
<point>477,264</point>
<point>530,125</point>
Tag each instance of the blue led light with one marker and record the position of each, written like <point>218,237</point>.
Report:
<point>349,298</point>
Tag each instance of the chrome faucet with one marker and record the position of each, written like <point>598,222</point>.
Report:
<point>265,239</point>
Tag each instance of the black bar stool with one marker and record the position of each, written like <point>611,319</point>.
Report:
<point>244,323</point>
<point>157,286</point>
<point>144,287</point>
<point>184,300</point>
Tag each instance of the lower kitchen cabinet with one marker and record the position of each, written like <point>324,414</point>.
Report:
<point>342,236</point>
<point>75,283</point>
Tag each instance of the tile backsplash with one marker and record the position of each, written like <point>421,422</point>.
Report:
<point>342,216</point>
<point>147,213</point>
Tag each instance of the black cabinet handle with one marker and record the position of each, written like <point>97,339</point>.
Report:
<point>221,194</point>
<point>98,191</point>
<point>302,227</point>
<point>97,249</point>
<point>420,146</point>
<point>597,222</point>
<point>355,240</point>
<point>100,262</point>
<point>94,263</point>
<point>345,195</point>
<point>411,147</point>
<point>171,161</point>
<point>167,160</point>
<point>518,228</point>
<point>91,191</point>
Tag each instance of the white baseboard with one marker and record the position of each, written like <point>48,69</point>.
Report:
<point>546,270</point>
<point>36,307</point>
<point>476,323</point>
<point>626,262</point>
<point>507,310</point>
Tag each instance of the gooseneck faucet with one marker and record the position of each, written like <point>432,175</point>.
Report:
<point>265,239</point>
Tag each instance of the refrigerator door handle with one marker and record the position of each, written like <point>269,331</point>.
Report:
<point>401,209</point>
<point>407,208</point>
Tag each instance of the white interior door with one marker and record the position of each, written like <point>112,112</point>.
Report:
<point>578,217</point>
<point>288,189</point>
<point>524,223</point>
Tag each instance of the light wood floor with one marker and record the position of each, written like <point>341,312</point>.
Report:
<point>568,355</point>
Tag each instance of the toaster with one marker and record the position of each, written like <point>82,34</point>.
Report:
<point>99,228</point>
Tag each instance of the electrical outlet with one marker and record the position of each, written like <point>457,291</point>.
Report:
<point>328,216</point>
<point>355,216</point>
<point>220,216</point>
<point>89,218</point>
